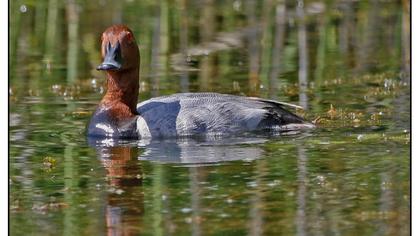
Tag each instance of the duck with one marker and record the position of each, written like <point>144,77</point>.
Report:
<point>120,116</point>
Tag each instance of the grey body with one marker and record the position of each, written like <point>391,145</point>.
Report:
<point>189,114</point>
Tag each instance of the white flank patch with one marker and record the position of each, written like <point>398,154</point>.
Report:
<point>143,128</point>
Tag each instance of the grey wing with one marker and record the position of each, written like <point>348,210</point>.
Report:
<point>216,116</point>
<point>205,113</point>
<point>241,107</point>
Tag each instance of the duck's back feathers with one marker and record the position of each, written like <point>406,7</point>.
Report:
<point>212,113</point>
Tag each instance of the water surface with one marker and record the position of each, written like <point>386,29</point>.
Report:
<point>345,62</point>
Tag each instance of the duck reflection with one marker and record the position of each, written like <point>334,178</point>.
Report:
<point>124,202</point>
<point>201,151</point>
<point>117,154</point>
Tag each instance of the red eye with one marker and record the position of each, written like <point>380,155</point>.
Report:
<point>129,37</point>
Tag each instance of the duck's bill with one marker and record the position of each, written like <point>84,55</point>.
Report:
<point>112,59</point>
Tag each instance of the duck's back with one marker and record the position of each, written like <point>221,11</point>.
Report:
<point>187,114</point>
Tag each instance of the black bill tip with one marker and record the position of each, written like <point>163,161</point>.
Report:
<point>107,66</point>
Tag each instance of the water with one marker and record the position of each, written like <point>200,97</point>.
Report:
<point>345,62</point>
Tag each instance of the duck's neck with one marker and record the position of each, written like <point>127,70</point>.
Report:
<point>122,92</point>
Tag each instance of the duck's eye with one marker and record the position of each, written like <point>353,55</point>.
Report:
<point>129,37</point>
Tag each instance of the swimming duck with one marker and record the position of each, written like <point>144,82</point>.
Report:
<point>183,114</point>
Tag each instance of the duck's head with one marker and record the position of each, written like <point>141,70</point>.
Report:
<point>119,50</point>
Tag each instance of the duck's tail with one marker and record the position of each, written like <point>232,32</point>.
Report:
<point>278,117</point>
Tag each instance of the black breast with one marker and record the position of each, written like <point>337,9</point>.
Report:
<point>102,125</point>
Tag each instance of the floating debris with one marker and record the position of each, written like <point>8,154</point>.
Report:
<point>49,163</point>
<point>332,112</point>
<point>186,210</point>
<point>43,208</point>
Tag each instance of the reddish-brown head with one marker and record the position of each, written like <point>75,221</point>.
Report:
<point>119,49</point>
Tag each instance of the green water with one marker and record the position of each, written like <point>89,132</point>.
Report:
<point>345,62</point>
